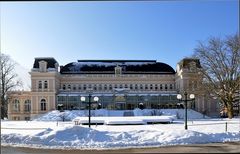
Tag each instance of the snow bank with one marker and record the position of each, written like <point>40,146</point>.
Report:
<point>70,115</point>
<point>78,137</point>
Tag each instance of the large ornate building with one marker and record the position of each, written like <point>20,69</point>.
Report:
<point>119,84</point>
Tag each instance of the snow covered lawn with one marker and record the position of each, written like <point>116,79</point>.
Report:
<point>64,135</point>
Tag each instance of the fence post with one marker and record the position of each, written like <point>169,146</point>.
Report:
<point>226,127</point>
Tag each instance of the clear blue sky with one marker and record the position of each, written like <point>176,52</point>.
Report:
<point>155,30</point>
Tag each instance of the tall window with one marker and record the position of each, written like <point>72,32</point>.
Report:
<point>105,87</point>
<point>166,86</point>
<point>89,86</point>
<point>39,84</point>
<point>69,87</point>
<point>64,87</point>
<point>136,86</point>
<point>151,86</point>
<point>110,87</point>
<point>74,87</point>
<point>27,106</point>
<point>161,87</point>
<point>45,84</point>
<point>16,105</point>
<point>43,105</point>
<point>79,87</point>
<point>146,86</point>
<point>100,87</point>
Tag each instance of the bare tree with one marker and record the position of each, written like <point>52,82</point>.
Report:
<point>8,81</point>
<point>220,60</point>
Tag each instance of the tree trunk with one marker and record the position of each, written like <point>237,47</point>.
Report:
<point>230,111</point>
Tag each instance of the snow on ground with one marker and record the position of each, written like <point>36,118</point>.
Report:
<point>62,135</point>
<point>70,115</point>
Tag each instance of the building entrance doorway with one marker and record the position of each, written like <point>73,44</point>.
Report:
<point>120,105</point>
<point>130,106</point>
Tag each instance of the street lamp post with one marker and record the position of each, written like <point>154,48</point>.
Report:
<point>192,98</point>
<point>89,106</point>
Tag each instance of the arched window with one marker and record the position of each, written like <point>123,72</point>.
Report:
<point>64,87</point>
<point>151,86</point>
<point>161,87</point>
<point>105,87</point>
<point>16,105</point>
<point>136,86</point>
<point>79,87</point>
<point>43,105</point>
<point>95,87</point>
<point>89,86</point>
<point>146,86</point>
<point>166,86</point>
<point>39,84</point>
<point>100,87</point>
<point>74,87</point>
<point>45,84</point>
<point>69,87</point>
<point>27,106</point>
<point>110,87</point>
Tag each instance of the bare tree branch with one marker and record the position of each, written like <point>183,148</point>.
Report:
<point>8,81</point>
<point>220,60</point>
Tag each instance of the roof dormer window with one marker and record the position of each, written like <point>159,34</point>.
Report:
<point>42,66</point>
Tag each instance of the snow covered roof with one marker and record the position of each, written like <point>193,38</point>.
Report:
<point>108,67</point>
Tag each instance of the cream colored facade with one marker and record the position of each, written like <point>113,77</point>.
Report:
<point>52,89</point>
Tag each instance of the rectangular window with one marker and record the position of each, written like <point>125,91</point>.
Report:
<point>39,84</point>
<point>45,84</point>
<point>16,118</point>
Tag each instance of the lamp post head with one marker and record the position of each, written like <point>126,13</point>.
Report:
<point>179,96</point>
<point>192,96</point>
<point>83,99</point>
<point>95,98</point>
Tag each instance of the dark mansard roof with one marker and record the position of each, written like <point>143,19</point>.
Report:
<point>108,67</point>
<point>50,62</point>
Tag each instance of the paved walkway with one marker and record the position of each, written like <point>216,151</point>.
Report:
<point>231,147</point>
